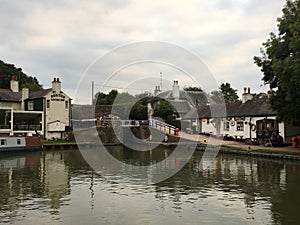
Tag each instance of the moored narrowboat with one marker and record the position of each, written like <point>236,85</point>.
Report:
<point>15,143</point>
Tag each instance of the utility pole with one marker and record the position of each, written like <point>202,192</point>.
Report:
<point>161,81</point>
<point>92,92</point>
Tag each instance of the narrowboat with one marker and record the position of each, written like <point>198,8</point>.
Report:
<point>14,143</point>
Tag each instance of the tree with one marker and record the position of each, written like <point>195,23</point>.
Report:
<point>225,93</point>
<point>260,95</point>
<point>138,112</point>
<point>8,70</point>
<point>163,109</point>
<point>280,64</point>
<point>229,94</point>
<point>105,99</point>
<point>191,88</point>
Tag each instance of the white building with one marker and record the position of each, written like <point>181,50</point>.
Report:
<point>246,119</point>
<point>46,112</point>
<point>183,103</point>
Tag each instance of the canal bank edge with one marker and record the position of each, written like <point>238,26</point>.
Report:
<point>224,149</point>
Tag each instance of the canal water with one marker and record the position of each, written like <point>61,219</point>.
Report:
<point>59,187</point>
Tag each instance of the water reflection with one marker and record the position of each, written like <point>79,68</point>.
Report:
<point>59,187</point>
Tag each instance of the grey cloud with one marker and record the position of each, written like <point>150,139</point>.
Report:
<point>65,37</point>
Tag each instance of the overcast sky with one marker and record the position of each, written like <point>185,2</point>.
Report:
<point>63,38</point>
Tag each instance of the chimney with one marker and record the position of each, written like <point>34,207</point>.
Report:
<point>246,96</point>
<point>157,90</point>
<point>25,95</point>
<point>56,85</point>
<point>14,84</point>
<point>175,91</point>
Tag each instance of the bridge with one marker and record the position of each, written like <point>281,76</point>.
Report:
<point>115,121</point>
<point>164,127</point>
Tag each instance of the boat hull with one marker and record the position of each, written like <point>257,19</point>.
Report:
<point>28,143</point>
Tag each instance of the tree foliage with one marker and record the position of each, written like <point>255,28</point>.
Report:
<point>280,64</point>
<point>124,103</point>
<point>105,99</point>
<point>8,70</point>
<point>163,109</point>
<point>225,93</point>
<point>139,111</point>
<point>229,94</point>
<point>260,95</point>
<point>192,88</point>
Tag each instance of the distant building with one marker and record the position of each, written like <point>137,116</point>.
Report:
<point>246,119</point>
<point>182,101</point>
<point>46,112</point>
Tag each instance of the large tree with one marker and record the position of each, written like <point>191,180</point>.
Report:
<point>8,70</point>
<point>280,64</point>
<point>225,93</point>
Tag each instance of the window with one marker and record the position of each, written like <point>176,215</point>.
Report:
<point>226,125</point>
<point>30,105</point>
<point>3,142</point>
<point>240,125</point>
<point>66,104</point>
<point>48,104</point>
<point>18,141</point>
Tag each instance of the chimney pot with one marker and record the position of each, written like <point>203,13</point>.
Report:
<point>14,83</point>
<point>175,91</point>
<point>14,77</point>
<point>56,85</point>
<point>248,90</point>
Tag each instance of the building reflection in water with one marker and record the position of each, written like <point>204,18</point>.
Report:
<point>33,176</point>
<point>45,180</point>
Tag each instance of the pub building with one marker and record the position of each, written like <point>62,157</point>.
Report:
<point>46,112</point>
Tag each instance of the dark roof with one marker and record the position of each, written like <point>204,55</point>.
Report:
<point>258,107</point>
<point>198,97</point>
<point>193,97</point>
<point>215,110</point>
<point>181,106</point>
<point>186,102</point>
<point>7,95</point>
<point>253,108</point>
<point>39,94</point>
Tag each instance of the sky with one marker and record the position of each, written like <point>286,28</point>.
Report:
<point>68,39</point>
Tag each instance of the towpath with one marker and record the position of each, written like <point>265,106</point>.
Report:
<point>236,144</point>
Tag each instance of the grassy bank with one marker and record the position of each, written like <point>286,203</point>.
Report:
<point>49,142</point>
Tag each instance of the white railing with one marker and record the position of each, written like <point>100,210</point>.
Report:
<point>129,123</point>
<point>162,126</point>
